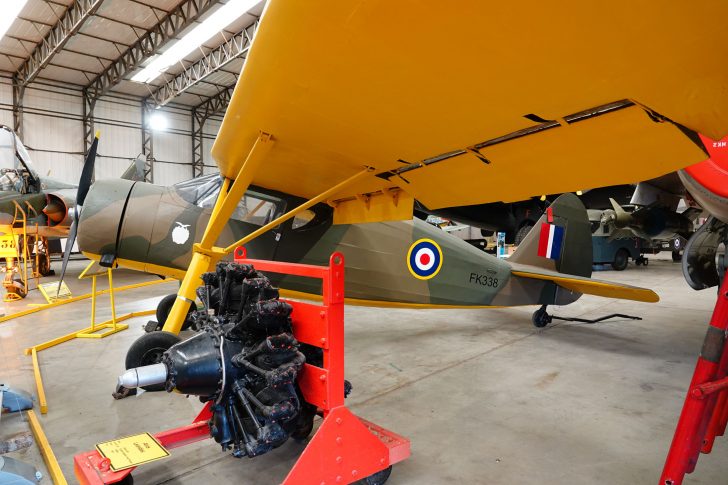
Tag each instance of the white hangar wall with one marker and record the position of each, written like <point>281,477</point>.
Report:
<point>53,133</point>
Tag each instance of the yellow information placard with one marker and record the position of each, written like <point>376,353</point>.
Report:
<point>9,246</point>
<point>132,451</point>
<point>52,294</point>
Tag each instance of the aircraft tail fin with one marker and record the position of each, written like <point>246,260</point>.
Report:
<point>559,250</point>
<point>561,239</point>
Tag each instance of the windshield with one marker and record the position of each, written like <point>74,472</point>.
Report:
<point>16,170</point>
<point>254,208</point>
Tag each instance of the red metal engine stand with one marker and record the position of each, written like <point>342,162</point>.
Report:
<point>344,448</point>
<point>705,412</point>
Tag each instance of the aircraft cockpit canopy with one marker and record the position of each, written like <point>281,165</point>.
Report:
<point>16,170</point>
<point>254,208</point>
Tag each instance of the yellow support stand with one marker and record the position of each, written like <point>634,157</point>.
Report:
<point>112,326</point>
<point>54,469</point>
<point>39,383</point>
<point>93,331</point>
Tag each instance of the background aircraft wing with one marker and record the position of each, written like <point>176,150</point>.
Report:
<point>483,102</point>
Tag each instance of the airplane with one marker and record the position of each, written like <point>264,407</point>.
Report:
<point>367,116</point>
<point>393,264</point>
<point>46,202</point>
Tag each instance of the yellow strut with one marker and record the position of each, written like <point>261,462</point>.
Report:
<point>203,256</point>
<point>292,213</point>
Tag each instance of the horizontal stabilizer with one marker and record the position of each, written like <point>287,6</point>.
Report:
<point>594,287</point>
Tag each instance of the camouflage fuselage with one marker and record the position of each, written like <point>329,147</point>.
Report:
<point>152,229</point>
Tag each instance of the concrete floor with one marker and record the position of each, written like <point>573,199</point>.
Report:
<point>483,395</point>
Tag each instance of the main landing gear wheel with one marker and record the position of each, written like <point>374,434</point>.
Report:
<point>147,350</point>
<point>378,478</point>
<point>541,318</point>
<point>620,260</point>
<point>165,306</point>
<point>522,233</point>
<point>44,265</point>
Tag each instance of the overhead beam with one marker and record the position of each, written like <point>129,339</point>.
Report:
<point>215,104</point>
<point>70,23</point>
<point>236,47</point>
<point>66,27</point>
<point>171,25</point>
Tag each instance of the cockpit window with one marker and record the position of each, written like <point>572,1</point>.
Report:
<point>255,208</point>
<point>303,218</point>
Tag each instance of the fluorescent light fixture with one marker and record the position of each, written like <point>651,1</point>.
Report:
<point>223,17</point>
<point>11,10</point>
<point>158,122</point>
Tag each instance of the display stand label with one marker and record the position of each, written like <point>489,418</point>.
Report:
<point>132,451</point>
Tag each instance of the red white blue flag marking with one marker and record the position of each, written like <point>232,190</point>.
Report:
<point>424,259</point>
<point>550,241</point>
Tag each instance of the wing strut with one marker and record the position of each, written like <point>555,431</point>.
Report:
<point>205,254</point>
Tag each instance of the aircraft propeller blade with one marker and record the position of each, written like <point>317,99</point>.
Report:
<point>84,184</point>
<point>69,246</point>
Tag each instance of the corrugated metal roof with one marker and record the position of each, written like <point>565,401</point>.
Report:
<point>105,36</point>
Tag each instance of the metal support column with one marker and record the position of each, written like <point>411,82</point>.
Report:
<point>198,125</point>
<point>89,103</point>
<point>147,141</point>
<point>18,95</point>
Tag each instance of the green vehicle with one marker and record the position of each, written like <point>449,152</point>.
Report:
<point>616,251</point>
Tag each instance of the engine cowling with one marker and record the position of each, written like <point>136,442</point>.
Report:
<point>707,181</point>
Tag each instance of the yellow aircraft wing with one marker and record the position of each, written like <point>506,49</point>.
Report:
<point>472,101</point>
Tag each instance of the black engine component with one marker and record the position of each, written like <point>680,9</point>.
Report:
<point>244,359</point>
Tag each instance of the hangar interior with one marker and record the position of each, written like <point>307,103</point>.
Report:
<point>474,394</point>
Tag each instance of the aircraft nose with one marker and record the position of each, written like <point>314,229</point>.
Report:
<point>102,214</point>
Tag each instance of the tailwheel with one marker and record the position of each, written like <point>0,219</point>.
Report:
<point>147,350</point>
<point>540,317</point>
<point>378,478</point>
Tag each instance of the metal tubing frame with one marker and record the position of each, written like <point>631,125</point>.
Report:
<point>345,448</point>
<point>694,425</point>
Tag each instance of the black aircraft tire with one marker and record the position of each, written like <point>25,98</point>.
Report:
<point>541,318</point>
<point>44,265</point>
<point>522,233</point>
<point>620,260</point>
<point>165,306</point>
<point>148,350</point>
<point>378,478</point>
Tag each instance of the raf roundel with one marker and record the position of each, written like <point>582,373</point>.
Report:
<point>424,259</point>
